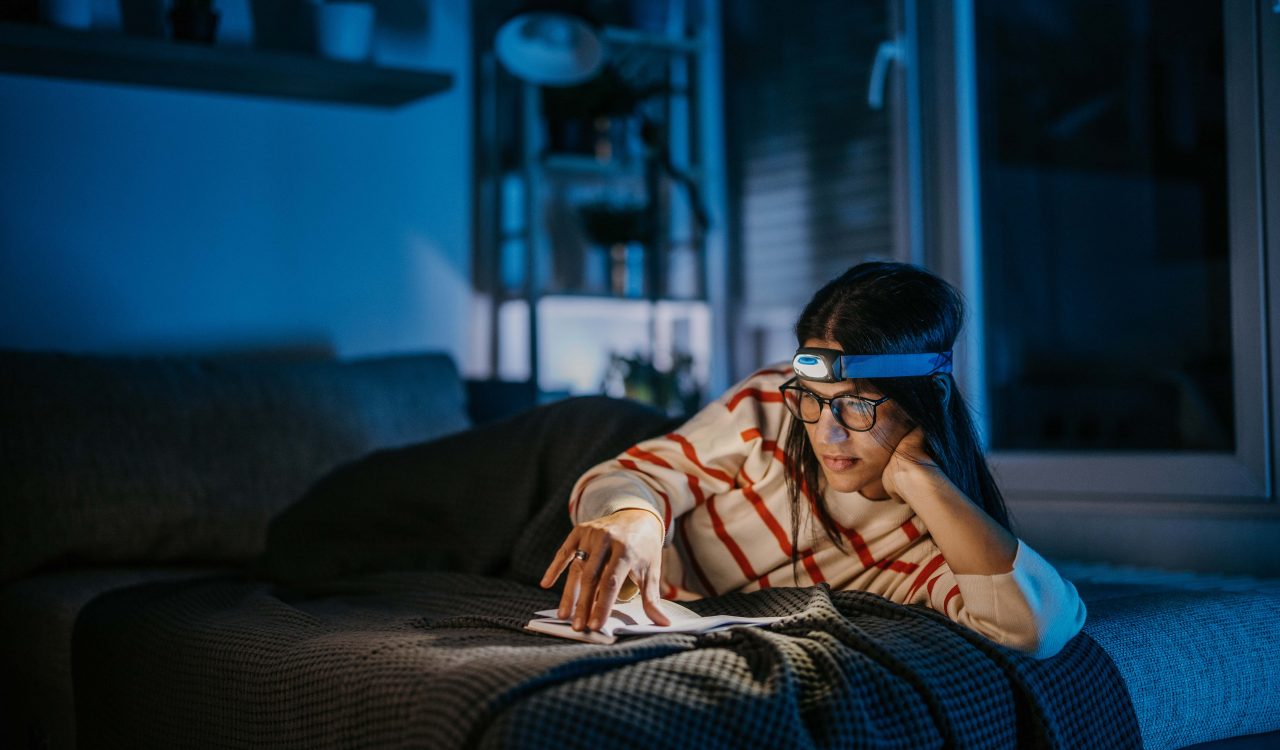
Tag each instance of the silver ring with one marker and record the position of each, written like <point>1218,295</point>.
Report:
<point>581,555</point>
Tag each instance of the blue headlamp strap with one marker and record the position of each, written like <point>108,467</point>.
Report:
<point>831,365</point>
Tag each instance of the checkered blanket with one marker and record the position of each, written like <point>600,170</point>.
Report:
<point>435,660</point>
<point>413,659</point>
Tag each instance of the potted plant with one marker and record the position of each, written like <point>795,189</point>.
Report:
<point>675,391</point>
<point>344,29</point>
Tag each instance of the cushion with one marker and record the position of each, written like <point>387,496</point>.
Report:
<point>489,501</point>
<point>37,617</point>
<point>1199,652</point>
<point>127,459</point>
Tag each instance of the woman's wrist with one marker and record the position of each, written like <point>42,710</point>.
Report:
<point>630,588</point>
<point>650,511</point>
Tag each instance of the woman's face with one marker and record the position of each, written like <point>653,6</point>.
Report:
<point>854,461</point>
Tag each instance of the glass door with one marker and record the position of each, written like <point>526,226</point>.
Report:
<point>1110,236</point>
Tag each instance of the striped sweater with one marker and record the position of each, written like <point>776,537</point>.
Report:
<point>719,485</point>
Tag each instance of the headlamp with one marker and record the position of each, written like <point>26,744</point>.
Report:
<point>832,365</point>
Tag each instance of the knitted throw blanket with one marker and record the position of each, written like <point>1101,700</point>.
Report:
<point>434,659</point>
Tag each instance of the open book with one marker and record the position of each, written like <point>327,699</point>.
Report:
<point>629,618</point>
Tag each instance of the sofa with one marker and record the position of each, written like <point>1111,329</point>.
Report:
<point>309,552</point>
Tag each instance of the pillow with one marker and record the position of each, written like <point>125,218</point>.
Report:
<point>489,501</point>
<point>109,459</point>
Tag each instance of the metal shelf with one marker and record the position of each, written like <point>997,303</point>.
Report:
<point>546,185</point>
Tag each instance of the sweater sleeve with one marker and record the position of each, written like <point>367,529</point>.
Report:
<point>1031,608</point>
<point>671,474</point>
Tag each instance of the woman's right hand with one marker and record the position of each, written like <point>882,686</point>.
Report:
<point>622,544</point>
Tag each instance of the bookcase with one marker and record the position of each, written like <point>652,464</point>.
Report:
<point>591,215</point>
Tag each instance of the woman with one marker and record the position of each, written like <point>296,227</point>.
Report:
<point>856,464</point>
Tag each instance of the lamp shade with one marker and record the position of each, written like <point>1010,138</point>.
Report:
<point>549,49</point>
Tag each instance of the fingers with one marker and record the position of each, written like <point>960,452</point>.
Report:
<point>589,577</point>
<point>611,580</point>
<point>613,552</point>
<point>650,595</point>
<point>570,592</point>
<point>561,559</point>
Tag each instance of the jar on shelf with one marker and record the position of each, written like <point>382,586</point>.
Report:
<point>620,227</point>
<point>626,269</point>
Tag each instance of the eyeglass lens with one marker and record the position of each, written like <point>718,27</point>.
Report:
<point>853,413</point>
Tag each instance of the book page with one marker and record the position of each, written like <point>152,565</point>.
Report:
<point>629,618</point>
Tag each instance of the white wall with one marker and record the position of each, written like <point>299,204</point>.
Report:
<point>137,219</point>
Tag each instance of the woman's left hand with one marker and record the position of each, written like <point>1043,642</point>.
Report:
<point>909,459</point>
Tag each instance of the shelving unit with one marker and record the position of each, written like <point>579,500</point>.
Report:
<point>113,57</point>
<point>538,256</point>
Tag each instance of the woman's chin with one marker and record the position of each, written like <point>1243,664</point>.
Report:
<point>872,490</point>
<point>841,482</point>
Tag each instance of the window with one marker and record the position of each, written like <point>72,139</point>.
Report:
<point>1109,233</point>
<point>815,177</point>
<point>1104,226</point>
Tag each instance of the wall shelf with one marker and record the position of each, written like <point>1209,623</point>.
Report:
<point>27,49</point>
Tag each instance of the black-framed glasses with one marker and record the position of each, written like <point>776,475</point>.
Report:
<point>852,412</point>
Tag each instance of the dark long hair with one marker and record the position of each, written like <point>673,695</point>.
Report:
<point>893,308</point>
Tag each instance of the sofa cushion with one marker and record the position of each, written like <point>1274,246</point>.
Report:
<point>464,503</point>
<point>126,459</point>
<point>37,617</point>
<point>1200,652</point>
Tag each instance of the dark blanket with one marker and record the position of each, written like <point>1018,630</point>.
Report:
<point>490,501</point>
<point>439,659</point>
<point>433,660</point>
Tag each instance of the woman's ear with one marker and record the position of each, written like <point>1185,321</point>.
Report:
<point>943,385</point>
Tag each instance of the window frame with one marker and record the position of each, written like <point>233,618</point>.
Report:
<point>1268,36</point>
<point>944,41</point>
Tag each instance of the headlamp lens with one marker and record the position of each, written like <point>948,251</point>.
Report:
<point>811,367</point>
